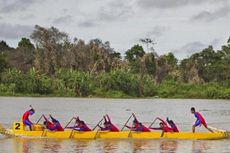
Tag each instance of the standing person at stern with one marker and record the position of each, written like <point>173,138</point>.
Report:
<point>199,120</point>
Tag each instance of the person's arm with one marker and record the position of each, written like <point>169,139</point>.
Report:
<point>100,127</point>
<point>129,127</point>
<point>45,118</point>
<point>155,128</point>
<point>105,119</point>
<point>161,120</point>
<point>53,118</point>
<point>134,116</point>
<point>108,118</point>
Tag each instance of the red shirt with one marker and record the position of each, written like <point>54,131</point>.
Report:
<point>26,116</point>
<point>145,129</point>
<point>167,129</point>
<point>113,128</point>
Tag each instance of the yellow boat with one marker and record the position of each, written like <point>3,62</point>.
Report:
<point>38,131</point>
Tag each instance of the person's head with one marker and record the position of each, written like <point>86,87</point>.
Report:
<point>161,124</point>
<point>106,123</point>
<point>31,111</point>
<point>44,123</point>
<point>81,123</point>
<point>193,110</point>
<point>140,124</point>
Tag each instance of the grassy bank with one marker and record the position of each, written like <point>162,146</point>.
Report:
<point>115,84</point>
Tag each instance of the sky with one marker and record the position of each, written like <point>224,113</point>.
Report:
<point>179,26</point>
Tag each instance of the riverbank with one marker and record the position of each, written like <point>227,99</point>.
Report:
<point>165,90</point>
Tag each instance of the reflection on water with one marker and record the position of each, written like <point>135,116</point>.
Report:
<point>110,146</point>
<point>80,146</point>
<point>199,146</point>
<point>29,145</point>
<point>139,146</point>
<point>168,146</point>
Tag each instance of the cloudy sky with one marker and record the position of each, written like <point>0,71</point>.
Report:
<point>179,26</point>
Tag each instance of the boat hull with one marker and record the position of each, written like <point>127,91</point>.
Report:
<point>119,135</point>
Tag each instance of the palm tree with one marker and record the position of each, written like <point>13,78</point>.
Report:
<point>148,41</point>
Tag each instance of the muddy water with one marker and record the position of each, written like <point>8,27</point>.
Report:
<point>216,112</point>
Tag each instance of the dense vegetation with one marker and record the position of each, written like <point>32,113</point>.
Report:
<point>55,65</point>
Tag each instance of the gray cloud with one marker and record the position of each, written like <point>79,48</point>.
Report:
<point>87,24</point>
<point>171,3</point>
<point>9,31</point>
<point>28,16</point>
<point>157,31</point>
<point>109,12</point>
<point>115,10</point>
<point>16,5</point>
<point>210,16</point>
<point>189,48</point>
<point>63,19</point>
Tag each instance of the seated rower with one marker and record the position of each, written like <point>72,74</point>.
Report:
<point>25,118</point>
<point>164,127</point>
<point>108,125</point>
<point>80,125</point>
<point>54,125</point>
<point>199,120</point>
<point>138,126</point>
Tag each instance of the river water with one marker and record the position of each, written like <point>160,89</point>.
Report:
<point>216,113</point>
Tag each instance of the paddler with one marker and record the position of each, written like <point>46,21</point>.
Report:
<point>164,126</point>
<point>108,125</point>
<point>53,125</point>
<point>80,125</point>
<point>138,126</point>
<point>199,120</point>
<point>25,118</point>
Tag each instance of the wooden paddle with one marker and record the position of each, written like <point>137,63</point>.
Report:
<point>39,119</point>
<point>126,123</point>
<point>130,130</point>
<point>152,123</point>
<point>69,122</point>
<point>98,129</point>
<point>98,124</point>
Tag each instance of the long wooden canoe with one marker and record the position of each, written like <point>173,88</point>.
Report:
<point>18,131</point>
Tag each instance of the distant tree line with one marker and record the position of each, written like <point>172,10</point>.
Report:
<point>50,63</point>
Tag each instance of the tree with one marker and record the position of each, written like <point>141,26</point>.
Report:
<point>134,53</point>
<point>50,44</point>
<point>148,41</point>
<point>3,62</point>
<point>25,43</point>
<point>4,46</point>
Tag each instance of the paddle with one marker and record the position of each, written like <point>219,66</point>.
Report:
<point>39,119</point>
<point>126,123</point>
<point>31,107</point>
<point>130,131</point>
<point>69,122</point>
<point>98,124</point>
<point>72,131</point>
<point>152,123</point>
<point>162,134</point>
